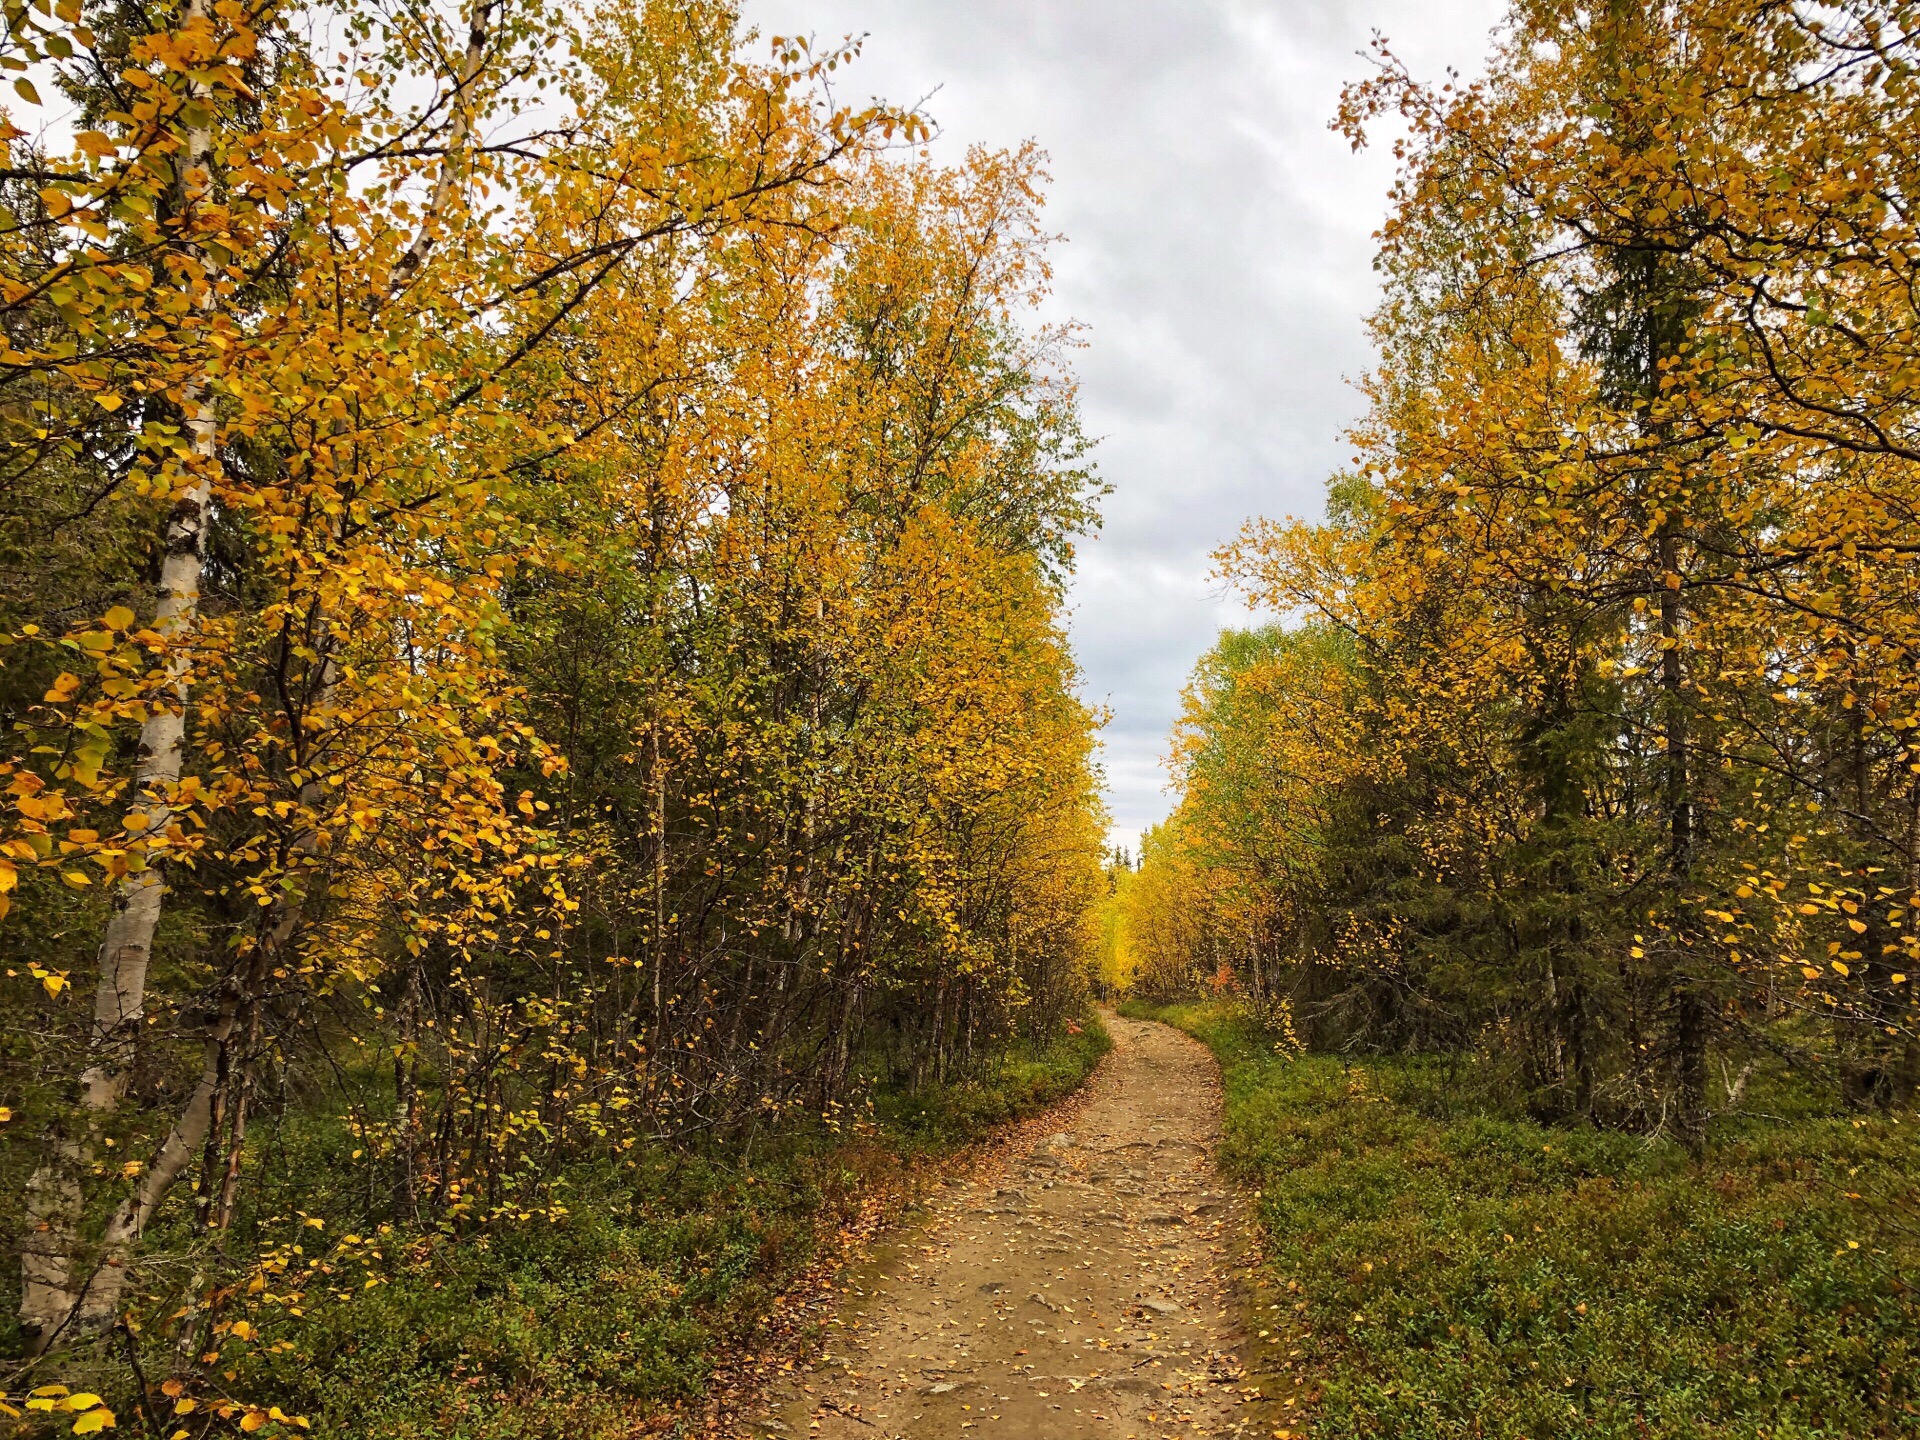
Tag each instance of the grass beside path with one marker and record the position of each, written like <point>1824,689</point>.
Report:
<point>1017,1083</point>
<point>585,1327</point>
<point>1451,1271</point>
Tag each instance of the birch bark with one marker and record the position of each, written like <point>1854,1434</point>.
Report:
<point>64,1287</point>
<point>53,1285</point>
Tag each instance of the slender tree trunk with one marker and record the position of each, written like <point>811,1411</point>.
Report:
<point>53,1288</point>
<point>479,35</point>
<point>219,1175</point>
<point>97,1299</point>
<point>658,1055</point>
<point>1690,1023</point>
<point>406,1103</point>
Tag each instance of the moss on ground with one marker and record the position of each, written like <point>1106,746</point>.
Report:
<point>1455,1271</point>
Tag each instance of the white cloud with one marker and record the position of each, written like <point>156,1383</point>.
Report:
<point>1218,249</point>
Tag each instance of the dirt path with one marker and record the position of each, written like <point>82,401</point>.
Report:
<point>1081,1290</point>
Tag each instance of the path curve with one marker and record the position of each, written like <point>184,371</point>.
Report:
<point>1082,1288</point>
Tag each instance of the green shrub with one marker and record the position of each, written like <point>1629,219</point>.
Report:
<point>553,1330</point>
<point>1018,1081</point>
<point>1463,1273</point>
<point>542,1329</point>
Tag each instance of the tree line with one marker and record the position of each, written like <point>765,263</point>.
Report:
<point>531,567</point>
<point>1586,737</point>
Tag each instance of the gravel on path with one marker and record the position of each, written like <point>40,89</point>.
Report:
<point>1085,1287</point>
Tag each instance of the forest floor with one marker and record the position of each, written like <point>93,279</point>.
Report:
<point>1081,1282</point>
<point>1444,1265</point>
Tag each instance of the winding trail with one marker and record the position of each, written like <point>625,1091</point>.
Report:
<point>1082,1287</point>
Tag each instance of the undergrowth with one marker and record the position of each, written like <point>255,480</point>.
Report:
<point>541,1329</point>
<point>1015,1082</point>
<point>1443,1268</point>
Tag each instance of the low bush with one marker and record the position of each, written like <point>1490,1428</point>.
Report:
<point>1014,1082</point>
<point>1445,1269</point>
<point>585,1324</point>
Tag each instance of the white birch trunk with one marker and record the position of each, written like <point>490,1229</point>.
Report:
<point>62,1290</point>
<point>52,1290</point>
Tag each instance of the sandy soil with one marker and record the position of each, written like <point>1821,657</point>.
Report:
<point>1084,1286</point>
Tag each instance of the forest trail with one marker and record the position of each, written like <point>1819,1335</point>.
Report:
<point>1080,1287</point>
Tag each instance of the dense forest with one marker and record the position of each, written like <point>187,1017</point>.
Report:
<point>1545,874</point>
<point>543,770</point>
<point>531,563</point>
<point>1587,737</point>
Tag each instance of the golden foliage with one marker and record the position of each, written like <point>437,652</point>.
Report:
<point>605,681</point>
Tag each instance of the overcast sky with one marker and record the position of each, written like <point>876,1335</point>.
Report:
<point>1217,250</point>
